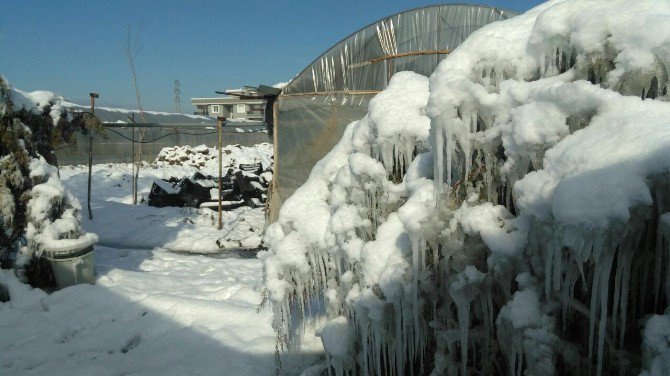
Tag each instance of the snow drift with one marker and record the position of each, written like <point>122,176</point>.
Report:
<point>506,216</point>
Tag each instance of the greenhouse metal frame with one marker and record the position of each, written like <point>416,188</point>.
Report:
<point>314,108</point>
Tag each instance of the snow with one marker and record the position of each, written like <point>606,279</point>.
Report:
<point>156,307</point>
<point>151,313</point>
<point>37,101</point>
<point>496,225</point>
<point>205,159</point>
<point>335,335</point>
<point>509,212</point>
<point>120,224</point>
<point>517,195</point>
<point>175,229</point>
<point>656,344</point>
<point>523,309</point>
<point>321,215</point>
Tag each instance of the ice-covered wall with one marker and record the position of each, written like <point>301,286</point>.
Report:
<point>505,217</point>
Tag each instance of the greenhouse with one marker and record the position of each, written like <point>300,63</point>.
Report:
<point>334,90</point>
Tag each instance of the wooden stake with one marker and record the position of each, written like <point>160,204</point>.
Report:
<point>220,121</point>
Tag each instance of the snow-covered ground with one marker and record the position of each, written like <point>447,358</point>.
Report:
<point>155,309</point>
<point>118,223</point>
<point>151,312</point>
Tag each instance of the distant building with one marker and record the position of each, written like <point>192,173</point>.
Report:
<point>237,104</point>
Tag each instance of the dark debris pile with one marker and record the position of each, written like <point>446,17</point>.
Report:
<point>246,185</point>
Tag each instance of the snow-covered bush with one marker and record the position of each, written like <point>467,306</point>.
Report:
<point>527,233</point>
<point>34,203</point>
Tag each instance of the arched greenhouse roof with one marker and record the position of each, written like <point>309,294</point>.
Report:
<point>415,40</point>
<point>315,107</point>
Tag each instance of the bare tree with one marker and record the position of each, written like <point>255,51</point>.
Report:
<point>133,47</point>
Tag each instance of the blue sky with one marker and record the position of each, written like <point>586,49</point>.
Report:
<point>74,47</point>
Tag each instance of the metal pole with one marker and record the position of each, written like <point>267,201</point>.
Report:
<point>90,172</point>
<point>220,121</point>
<point>90,156</point>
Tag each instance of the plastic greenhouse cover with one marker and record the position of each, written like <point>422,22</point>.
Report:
<point>315,107</point>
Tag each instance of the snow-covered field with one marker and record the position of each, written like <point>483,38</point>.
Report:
<point>155,309</point>
<point>152,312</point>
<point>118,223</point>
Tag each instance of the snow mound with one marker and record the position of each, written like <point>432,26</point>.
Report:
<point>205,158</point>
<point>503,212</point>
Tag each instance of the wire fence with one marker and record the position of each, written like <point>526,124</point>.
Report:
<point>117,146</point>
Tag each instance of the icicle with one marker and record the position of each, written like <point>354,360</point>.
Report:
<point>439,166</point>
<point>667,278</point>
<point>603,291</point>
<point>416,251</point>
<point>658,267</point>
<point>625,288</point>
<point>548,265</point>
<point>618,275</point>
<point>450,151</point>
<point>463,327</point>
<point>558,267</point>
<point>592,314</point>
<point>664,245</point>
<point>365,338</point>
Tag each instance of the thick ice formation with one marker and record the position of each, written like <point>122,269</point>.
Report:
<point>509,219</point>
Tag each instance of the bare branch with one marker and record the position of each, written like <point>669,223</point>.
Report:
<point>133,47</point>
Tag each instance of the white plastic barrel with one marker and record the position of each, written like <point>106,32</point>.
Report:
<point>72,267</point>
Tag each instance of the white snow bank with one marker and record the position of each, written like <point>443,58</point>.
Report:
<point>151,313</point>
<point>327,213</point>
<point>539,208</point>
<point>588,179</point>
<point>205,159</point>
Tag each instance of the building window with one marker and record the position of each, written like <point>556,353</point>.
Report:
<point>241,109</point>
<point>215,109</point>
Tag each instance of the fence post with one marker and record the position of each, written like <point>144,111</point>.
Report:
<point>90,156</point>
<point>219,123</point>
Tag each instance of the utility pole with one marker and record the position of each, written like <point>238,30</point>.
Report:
<point>177,97</point>
<point>220,121</point>
<point>90,155</point>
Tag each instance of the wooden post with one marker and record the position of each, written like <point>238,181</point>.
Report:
<point>220,121</point>
<point>90,156</point>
